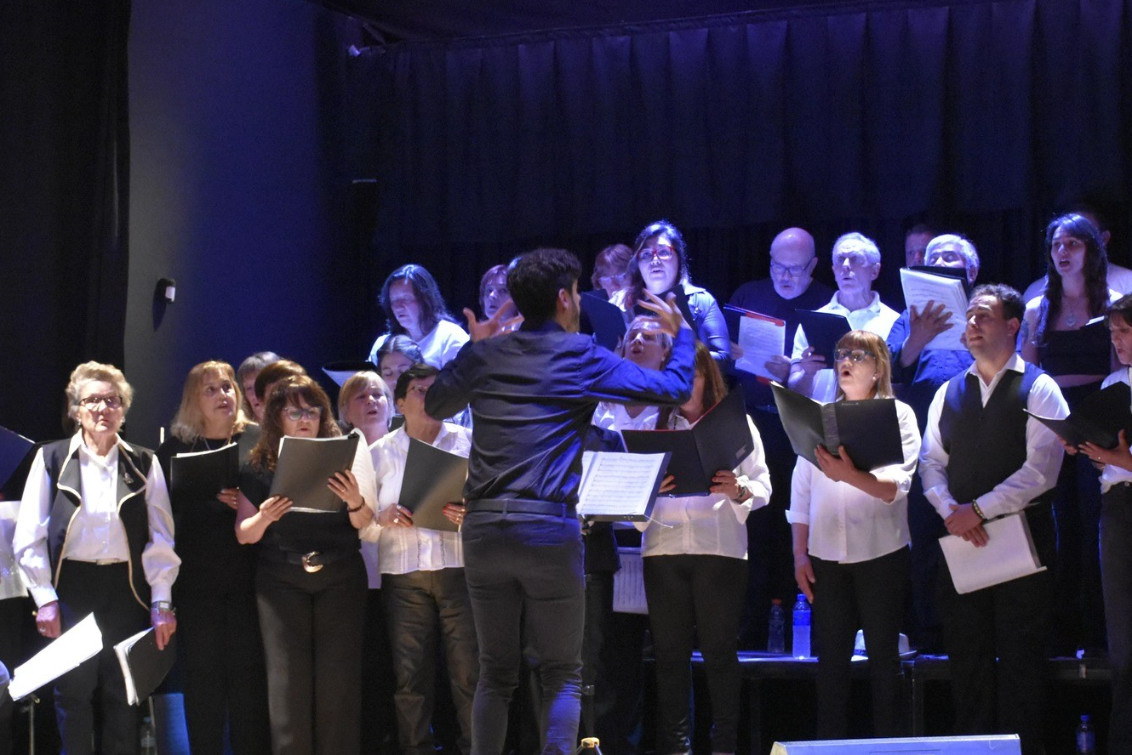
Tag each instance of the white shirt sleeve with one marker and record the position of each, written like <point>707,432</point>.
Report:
<point>30,540</point>
<point>160,562</point>
<point>901,474</point>
<point>367,483</point>
<point>753,476</point>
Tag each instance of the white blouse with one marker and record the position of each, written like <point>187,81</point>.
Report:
<point>846,524</point>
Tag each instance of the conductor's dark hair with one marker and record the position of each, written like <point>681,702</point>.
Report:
<point>418,371</point>
<point>535,278</point>
<point>427,293</point>
<point>1013,306</point>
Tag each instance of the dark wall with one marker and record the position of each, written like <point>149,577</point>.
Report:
<point>237,193</point>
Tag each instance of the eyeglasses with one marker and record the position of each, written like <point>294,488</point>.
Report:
<point>94,402</point>
<point>854,355</point>
<point>662,253</point>
<point>296,413</point>
<point>794,271</point>
<point>855,259</point>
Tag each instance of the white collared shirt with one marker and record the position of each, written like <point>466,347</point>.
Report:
<point>877,318</point>
<point>402,550</point>
<point>1115,475</point>
<point>438,347</point>
<point>711,525</point>
<point>96,532</point>
<point>847,525</point>
<point>1044,451</point>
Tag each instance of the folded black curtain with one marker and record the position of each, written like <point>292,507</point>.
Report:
<point>64,156</point>
<point>979,116</point>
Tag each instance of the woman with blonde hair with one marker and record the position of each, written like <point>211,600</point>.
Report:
<point>221,652</point>
<point>851,547</point>
<point>366,403</point>
<point>94,534</point>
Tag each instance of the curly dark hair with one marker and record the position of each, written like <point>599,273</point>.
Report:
<point>636,285</point>
<point>289,393</point>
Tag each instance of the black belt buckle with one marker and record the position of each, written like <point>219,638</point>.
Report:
<point>309,566</point>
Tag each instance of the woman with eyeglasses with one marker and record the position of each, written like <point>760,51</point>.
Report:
<point>310,580</point>
<point>660,266</point>
<point>220,648</point>
<point>1054,337</point>
<point>851,548</point>
<point>611,270</point>
<point>94,534</point>
<point>695,558</point>
<point>414,307</point>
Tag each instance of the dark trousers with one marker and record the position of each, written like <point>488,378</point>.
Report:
<point>525,567</point>
<point>1116,574</point>
<point>312,641</point>
<point>597,689</point>
<point>868,595</point>
<point>223,675</point>
<point>379,727</point>
<point>85,588</point>
<point>925,560</point>
<point>694,596</point>
<point>420,608</point>
<point>1078,606</point>
<point>1010,620</point>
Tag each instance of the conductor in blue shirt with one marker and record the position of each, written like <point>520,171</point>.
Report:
<point>532,394</point>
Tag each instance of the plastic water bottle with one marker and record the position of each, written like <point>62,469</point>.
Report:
<point>1086,737</point>
<point>802,617</point>
<point>776,634</point>
<point>148,737</point>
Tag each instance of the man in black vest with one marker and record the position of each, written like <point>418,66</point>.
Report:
<point>982,458</point>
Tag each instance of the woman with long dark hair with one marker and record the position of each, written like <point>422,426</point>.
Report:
<point>310,580</point>
<point>414,307</point>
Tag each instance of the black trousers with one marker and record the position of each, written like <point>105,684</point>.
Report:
<point>85,588</point>
<point>421,608</point>
<point>1116,573</point>
<point>312,641</point>
<point>692,596</point>
<point>867,595</point>
<point>1010,621</point>
<point>224,680</point>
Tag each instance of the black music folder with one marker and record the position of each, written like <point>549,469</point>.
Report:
<point>1085,351</point>
<point>304,466</point>
<point>1098,419</point>
<point>144,667</point>
<point>823,330</point>
<point>869,429</point>
<point>14,451</point>
<point>720,439</point>
<point>199,476</point>
<point>603,319</point>
<point>432,479</point>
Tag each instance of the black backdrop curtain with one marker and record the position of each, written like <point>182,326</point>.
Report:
<point>975,116</point>
<point>63,176</point>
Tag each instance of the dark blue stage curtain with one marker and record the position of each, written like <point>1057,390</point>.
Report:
<point>984,116</point>
<point>64,167</point>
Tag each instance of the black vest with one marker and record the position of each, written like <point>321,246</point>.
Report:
<point>66,497</point>
<point>985,444</point>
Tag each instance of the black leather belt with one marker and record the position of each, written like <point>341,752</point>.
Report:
<point>521,506</point>
<point>311,562</point>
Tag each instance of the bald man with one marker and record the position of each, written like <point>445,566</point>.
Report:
<point>789,288</point>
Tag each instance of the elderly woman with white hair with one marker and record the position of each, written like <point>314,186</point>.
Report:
<point>94,534</point>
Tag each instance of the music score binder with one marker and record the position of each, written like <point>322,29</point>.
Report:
<point>433,478</point>
<point>144,667</point>
<point>604,495</point>
<point>721,439</point>
<point>200,475</point>
<point>1098,419</point>
<point>869,429</point>
<point>823,330</point>
<point>606,321</point>
<point>304,466</point>
<point>759,336</point>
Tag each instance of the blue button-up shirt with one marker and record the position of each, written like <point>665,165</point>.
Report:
<point>533,394</point>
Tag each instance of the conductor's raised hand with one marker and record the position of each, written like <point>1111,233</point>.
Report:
<point>671,318</point>
<point>505,320</point>
<point>275,507</point>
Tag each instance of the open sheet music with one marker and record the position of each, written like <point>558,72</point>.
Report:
<point>66,652</point>
<point>1009,554</point>
<point>921,287</point>
<point>619,486</point>
<point>304,466</point>
<point>760,337</point>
